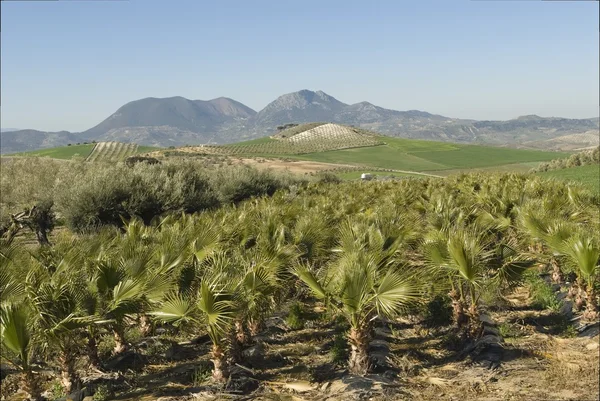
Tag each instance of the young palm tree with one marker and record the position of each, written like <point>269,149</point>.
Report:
<point>363,283</point>
<point>211,306</point>
<point>460,254</point>
<point>57,317</point>
<point>584,253</point>
<point>17,332</point>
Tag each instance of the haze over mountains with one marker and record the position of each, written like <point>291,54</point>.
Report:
<point>178,121</point>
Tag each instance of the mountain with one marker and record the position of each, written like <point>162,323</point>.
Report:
<point>29,139</point>
<point>8,129</point>
<point>177,121</point>
<point>188,115</point>
<point>298,107</point>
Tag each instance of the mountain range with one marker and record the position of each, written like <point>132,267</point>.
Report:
<point>177,121</point>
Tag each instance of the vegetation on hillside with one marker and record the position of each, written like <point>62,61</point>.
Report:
<point>585,158</point>
<point>363,253</point>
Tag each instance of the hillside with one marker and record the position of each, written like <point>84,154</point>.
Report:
<point>177,121</point>
<point>348,146</point>
<point>101,151</point>
<point>26,140</point>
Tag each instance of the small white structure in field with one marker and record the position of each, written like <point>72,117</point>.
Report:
<point>366,176</point>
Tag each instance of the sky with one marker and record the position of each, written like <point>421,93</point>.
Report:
<point>67,65</point>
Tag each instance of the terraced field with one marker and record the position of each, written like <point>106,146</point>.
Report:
<point>115,151</point>
<point>322,138</point>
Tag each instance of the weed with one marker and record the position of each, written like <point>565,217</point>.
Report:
<point>56,390</point>
<point>103,393</point>
<point>508,330</point>
<point>296,317</point>
<point>339,349</point>
<point>542,294</point>
<point>200,374</point>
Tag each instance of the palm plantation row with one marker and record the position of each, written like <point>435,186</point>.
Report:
<point>366,251</point>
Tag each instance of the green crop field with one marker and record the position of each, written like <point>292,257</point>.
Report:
<point>418,155</point>
<point>63,152</point>
<point>333,143</point>
<point>101,151</point>
<point>588,176</point>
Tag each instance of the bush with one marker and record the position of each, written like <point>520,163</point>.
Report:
<point>240,183</point>
<point>107,195</point>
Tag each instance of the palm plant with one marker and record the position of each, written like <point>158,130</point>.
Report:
<point>212,307</point>
<point>54,302</point>
<point>17,334</point>
<point>583,252</point>
<point>460,254</point>
<point>363,283</point>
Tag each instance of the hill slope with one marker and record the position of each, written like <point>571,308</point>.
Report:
<point>343,145</point>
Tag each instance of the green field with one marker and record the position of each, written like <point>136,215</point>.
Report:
<point>117,151</point>
<point>418,155</point>
<point>588,176</point>
<point>63,152</point>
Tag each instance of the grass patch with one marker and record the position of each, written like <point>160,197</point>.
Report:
<point>63,152</point>
<point>588,176</point>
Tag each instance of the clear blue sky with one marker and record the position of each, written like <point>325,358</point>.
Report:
<point>70,64</point>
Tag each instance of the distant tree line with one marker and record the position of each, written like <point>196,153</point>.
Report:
<point>578,159</point>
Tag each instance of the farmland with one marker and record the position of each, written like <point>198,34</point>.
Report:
<point>332,143</point>
<point>588,176</point>
<point>63,152</point>
<point>101,151</point>
<point>241,284</point>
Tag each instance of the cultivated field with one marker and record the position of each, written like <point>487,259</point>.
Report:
<point>335,144</point>
<point>112,151</point>
<point>276,288</point>
<point>63,152</point>
<point>588,176</point>
<point>322,138</point>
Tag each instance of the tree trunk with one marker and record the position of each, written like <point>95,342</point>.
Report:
<point>220,370</point>
<point>145,325</point>
<point>68,374</point>
<point>235,348</point>
<point>240,332</point>
<point>557,277</point>
<point>359,339</point>
<point>92,351</point>
<point>255,326</point>
<point>120,344</point>
<point>31,385</point>
<point>580,298</point>
<point>475,325</point>
<point>458,309</point>
<point>591,305</point>
<point>42,237</point>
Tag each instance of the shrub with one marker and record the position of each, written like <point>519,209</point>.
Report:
<point>240,183</point>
